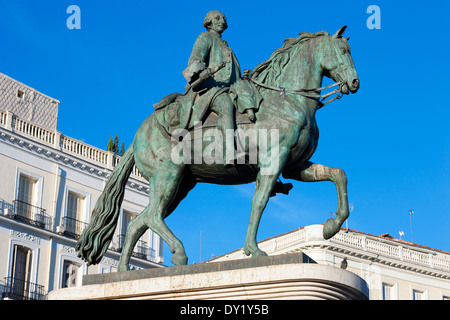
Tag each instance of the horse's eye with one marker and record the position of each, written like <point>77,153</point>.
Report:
<point>343,51</point>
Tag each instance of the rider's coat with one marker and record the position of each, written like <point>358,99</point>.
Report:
<point>210,50</point>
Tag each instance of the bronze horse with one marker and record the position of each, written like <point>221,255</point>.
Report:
<point>300,66</point>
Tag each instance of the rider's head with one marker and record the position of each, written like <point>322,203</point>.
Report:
<point>215,20</point>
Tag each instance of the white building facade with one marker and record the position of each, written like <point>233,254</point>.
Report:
<point>49,186</point>
<point>393,269</point>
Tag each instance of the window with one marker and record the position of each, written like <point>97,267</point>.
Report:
<point>20,272</point>
<point>70,274</point>
<point>141,249</point>
<point>126,219</point>
<point>28,192</point>
<point>418,295</point>
<point>75,210</point>
<point>27,188</point>
<point>388,291</point>
<point>20,94</point>
<point>74,206</point>
<point>25,204</point>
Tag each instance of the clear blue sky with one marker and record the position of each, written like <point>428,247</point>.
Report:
<point>391,138</point>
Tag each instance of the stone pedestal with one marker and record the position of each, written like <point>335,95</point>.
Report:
<point>288,276</point>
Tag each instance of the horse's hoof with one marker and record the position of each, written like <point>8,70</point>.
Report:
<point>179,259</point>
<point>255,253</point>
<point>330,228</point>
<point>259,253</point>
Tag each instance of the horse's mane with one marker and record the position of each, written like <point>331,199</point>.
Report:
<point>269,71</point>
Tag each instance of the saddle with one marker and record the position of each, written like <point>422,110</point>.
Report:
<point>166,101</point>
<point>181,111</point>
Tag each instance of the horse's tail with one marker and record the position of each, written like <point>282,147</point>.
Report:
<point>95,239</point>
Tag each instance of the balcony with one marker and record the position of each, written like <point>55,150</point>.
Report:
<point>32,215</point>
<point>73,228</point>
<point>17,289</point>
<point>57,141</point>
<point>141,250</point>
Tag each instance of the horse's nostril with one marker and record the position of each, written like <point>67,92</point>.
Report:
<point>355,83</point>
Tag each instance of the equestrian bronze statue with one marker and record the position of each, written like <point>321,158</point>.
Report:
<point>228,129</point>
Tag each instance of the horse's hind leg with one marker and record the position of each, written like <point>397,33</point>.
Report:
<point>163,191</point>
<point>312,172</point>
<point>187,183</point>
<point>135,230</point>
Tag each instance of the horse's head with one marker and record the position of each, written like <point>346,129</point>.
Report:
<point>337,61</point>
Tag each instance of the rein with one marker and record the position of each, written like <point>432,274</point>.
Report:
<point>308,93</point>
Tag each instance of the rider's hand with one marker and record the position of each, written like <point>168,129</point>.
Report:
<point>206,74</point>
<point>247,74</point>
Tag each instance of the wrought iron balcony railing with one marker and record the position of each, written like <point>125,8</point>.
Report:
<point>141,250</point>
<point>17,289</point>
<point>73,227</point>
<point>32,215</point>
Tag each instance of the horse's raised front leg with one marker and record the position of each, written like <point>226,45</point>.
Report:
<point>312,172</point>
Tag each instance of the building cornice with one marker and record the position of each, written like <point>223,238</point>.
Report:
<point>359,245</point>
<point>372,257</point>
<point>66,159</point>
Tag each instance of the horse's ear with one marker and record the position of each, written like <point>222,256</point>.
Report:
<point>339,33</point>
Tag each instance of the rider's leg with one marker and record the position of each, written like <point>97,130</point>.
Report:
<point>223,106</point>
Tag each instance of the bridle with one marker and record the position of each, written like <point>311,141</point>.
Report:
<point>314,93</point>
<point>308,93</point>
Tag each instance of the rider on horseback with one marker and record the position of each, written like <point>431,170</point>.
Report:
<point>223,90</point>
